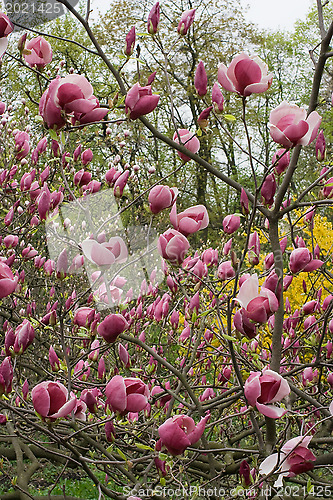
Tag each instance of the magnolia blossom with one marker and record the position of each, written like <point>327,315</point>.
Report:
<point>191,220</point>
<point>107,253</point>
<point>172,246</point>
<point>261,390</point>
<point>111,327</point>
<point>71,97</point>
<point>161,197</point>
<point>37,52</point>
<point>126,394</point>
<point>6,27</point>
<point>153,19</point>
<point>50,400</point>
<point>140,101</point>
<point>294,458</point>
<point>258,307</point>
<point>179,432</point>
<point>7,281</point>
<point>301,259</point>
<point>189,140</point>
<point>246,75</point>
<point>289,125</point>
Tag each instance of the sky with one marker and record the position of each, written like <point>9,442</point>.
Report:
<point>269,14</point>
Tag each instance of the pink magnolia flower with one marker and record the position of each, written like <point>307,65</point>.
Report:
<point>179,432</point>
<point>231,223</point>
<point>246,75</point>
<point>86,156</point>
<point>82,177</point>
<point>50,400</point>
<point>290,126</point>
<point>301,260</point>
<point>107,253</point>
<point>172,246</point>
<point>84,316</point>
<point>17,342</point>
<point>225,271</point>
<point>111,327</point>
<point>153,19</point>
<point>70,97</point>
<point>37,52</point>
<point>263,389</point>
<point>189,140</point>
<point>6,27</point>
<point>140,101</point>
<point>258,307</point>
<point>120,184</point>
<point>294,458</point>
<point>161,197</point>
<point>191,220</point>
<point>126,394</point>
<point>7,281</point>
<point>186,20</point>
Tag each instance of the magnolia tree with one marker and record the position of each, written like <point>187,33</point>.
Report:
<point>156,369</point>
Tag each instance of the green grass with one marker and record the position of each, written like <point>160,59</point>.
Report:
<point>72,483</point>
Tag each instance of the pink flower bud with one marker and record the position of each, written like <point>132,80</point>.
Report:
<point>130,42</point>
<point>54,360</point>
<point>161,197</point>
<point>200,80</point>
<point>268,190</point>
<point>186,21</point>
<point>111,327</point>
<point>231,223</point>
<point>217,98</point>
<point>153,19</point>
<point>226,271</point>
<point>189,140</point>
<point>320,147</point>
<point>281,160</point>
<point>86,156</point>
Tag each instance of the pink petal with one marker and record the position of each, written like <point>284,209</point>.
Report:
<point>41,399</point>
<point>65,410</point>
<point>136,402</point>
<point>269,464</point>
<point>271,411</point>
<point>223,78</point>
<point>313,265</point>
<point>279,136</point>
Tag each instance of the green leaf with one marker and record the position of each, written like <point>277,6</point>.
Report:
<point>121,454</point>
<point>62,138</point>
<point>38,118</point>
<point>230,118</point>
<point>143,446</point>
<point>53,134</point>
<point>228,337</point>
<point>163,456</point>
<point>309,486</point>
